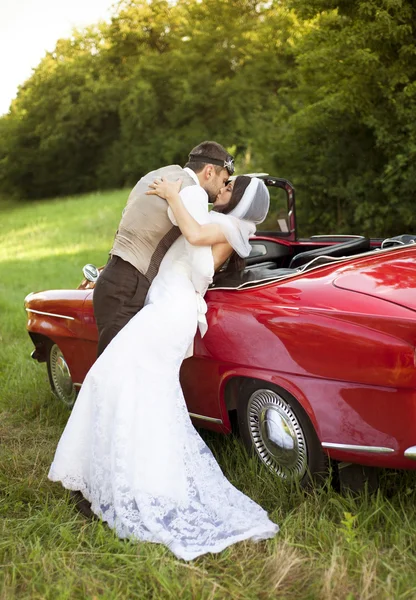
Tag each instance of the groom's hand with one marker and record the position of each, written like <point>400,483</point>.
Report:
<point>165,189</point>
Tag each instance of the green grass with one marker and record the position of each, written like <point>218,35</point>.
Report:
<point>329,547</point>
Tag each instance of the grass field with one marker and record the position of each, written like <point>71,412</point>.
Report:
<point>329,547</point>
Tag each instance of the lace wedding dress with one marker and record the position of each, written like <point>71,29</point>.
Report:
<point>129,445</point>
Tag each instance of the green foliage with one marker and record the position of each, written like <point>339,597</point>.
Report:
<point>348,527</point>
<point>351,139</point>
<point>320,92</point>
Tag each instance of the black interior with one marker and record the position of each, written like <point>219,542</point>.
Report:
<point>266,251</point>
<point>270,260</point>
<point>349,248</point>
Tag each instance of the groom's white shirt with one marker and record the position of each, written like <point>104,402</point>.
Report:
<point>195,200</point>
<point>193,175</point>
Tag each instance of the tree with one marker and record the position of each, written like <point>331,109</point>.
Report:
<point>352,134</point>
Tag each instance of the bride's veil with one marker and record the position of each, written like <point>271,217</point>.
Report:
<point>240,223</point>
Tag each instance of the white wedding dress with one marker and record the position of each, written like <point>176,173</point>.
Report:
<point>129,445</point>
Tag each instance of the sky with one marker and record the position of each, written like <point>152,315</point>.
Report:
<point>29,28</point>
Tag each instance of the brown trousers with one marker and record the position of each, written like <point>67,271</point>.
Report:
<point>119,293</point>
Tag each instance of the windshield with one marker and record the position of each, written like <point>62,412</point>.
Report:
<point>277,217</point>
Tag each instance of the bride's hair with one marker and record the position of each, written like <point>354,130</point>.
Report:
<point>241,183</point>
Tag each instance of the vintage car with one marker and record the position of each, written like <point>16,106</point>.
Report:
<point>316,338</point>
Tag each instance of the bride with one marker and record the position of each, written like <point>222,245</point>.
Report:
<point>129,445</point>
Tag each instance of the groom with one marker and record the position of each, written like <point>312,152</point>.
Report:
<point>145,234</point>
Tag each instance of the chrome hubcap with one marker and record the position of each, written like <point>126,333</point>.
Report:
<point>61,377</point>
<point>277,435</point>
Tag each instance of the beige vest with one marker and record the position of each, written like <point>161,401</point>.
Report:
<point>145,232</point>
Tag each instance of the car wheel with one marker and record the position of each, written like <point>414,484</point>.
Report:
<point>60,376</point>
<point>274,425</point>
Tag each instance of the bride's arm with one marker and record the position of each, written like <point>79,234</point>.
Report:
<point>200,257</point>
<point>196,234</point>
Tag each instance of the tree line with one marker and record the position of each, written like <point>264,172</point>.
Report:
<point>321,92</point>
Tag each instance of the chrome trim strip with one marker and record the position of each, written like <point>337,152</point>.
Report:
<point>203,418</point>
<point>353,448</point>
<point>410,453</point>
<point>39,312</point>
<point>252,284</point>
<point>336,235</point>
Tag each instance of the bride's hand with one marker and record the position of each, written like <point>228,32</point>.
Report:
<point>165,189</point>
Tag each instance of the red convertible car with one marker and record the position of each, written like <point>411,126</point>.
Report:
<point>316,335</point>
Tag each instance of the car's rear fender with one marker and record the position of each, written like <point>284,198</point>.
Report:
<point>379,420</point>
<point>233,382</point>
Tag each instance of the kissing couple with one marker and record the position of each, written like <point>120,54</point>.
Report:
<point>129,451</point>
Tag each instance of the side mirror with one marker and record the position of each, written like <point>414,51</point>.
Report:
<point>91,273</point>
